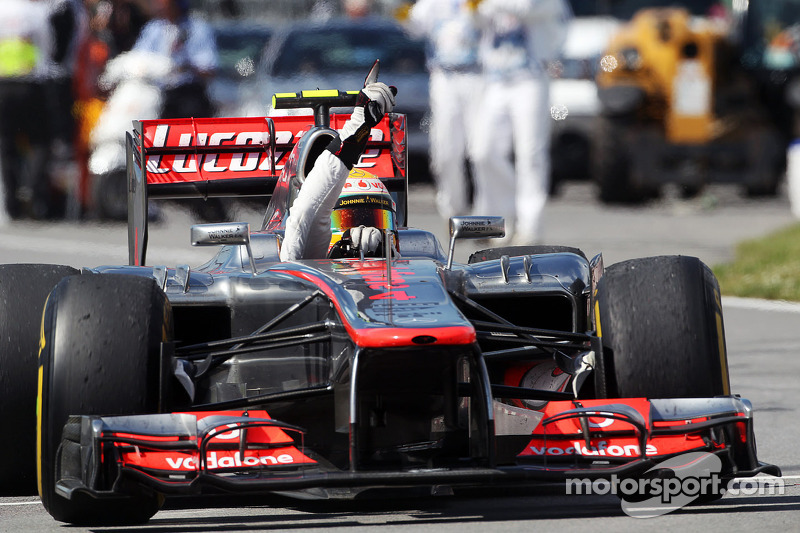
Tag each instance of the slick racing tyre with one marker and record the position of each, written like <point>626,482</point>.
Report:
<point>23,291</point>
<point>102,336</point>
<point>512,251</point>
<point>660,321</point>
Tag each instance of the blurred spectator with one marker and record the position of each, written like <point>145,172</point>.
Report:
<point>95,51</point>
<point>25,48</point>
<point>128,17</point>
<point>69,24</point>
<point>518,40</point>
<point>113,26</point>
<point>189,42</point>
<point>455,86</point>
<point>117,23</point>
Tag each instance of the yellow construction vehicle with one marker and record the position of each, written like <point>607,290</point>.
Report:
<point>679,106</point>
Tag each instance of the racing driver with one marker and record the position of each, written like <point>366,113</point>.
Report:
<point>308,227</point>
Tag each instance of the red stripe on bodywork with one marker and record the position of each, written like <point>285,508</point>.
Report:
<point>386,337</point>
<point>383,337</point>
<point>609,438</point>
<point>267,446</point>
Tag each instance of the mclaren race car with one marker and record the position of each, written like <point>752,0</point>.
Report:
<point>526,365</point>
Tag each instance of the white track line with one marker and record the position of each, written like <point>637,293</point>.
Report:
<point>758,304</point>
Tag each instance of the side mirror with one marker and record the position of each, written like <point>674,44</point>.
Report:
<point>237,233</point>
<point>474,227</point>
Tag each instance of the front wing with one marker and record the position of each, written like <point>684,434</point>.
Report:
<point>247,451</point>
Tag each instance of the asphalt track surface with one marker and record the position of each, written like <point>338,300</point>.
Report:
<point>762,338</point>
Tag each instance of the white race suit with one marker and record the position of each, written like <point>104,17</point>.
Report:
<point>450,27</point>
<point>518,38</point>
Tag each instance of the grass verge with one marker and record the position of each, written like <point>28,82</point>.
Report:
<point>767,267</point>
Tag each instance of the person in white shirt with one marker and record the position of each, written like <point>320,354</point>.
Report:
<point>519,38</point>
<point>449,26</point>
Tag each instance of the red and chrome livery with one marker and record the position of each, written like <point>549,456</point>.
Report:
<point>252,375</point>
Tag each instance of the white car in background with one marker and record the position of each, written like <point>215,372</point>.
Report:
<point>573,97</point>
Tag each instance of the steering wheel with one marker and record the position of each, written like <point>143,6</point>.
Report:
<point>344,248</point>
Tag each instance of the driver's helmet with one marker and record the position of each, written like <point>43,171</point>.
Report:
<point>364,201</point>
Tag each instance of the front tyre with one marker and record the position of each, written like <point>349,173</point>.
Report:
<point>660,320</point>
<point>23,291</point>
<point>101,355</point>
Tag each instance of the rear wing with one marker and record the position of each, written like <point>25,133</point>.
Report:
<point>224,157</point>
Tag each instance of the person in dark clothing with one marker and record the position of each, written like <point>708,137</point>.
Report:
<point>68,23</point>
<point>25,67</point>
<point>125,24</point>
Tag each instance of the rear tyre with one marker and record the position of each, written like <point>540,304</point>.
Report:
<point>101,355</point>
<point>23,291</point>
<point>660,320</point>
<point>511,251</point>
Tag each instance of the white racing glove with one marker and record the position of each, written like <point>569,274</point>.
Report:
<point>380,94</point>
<point>365,238</point>
<point>374,100</point>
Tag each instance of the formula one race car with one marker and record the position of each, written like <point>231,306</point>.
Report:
<point>340,376</point>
